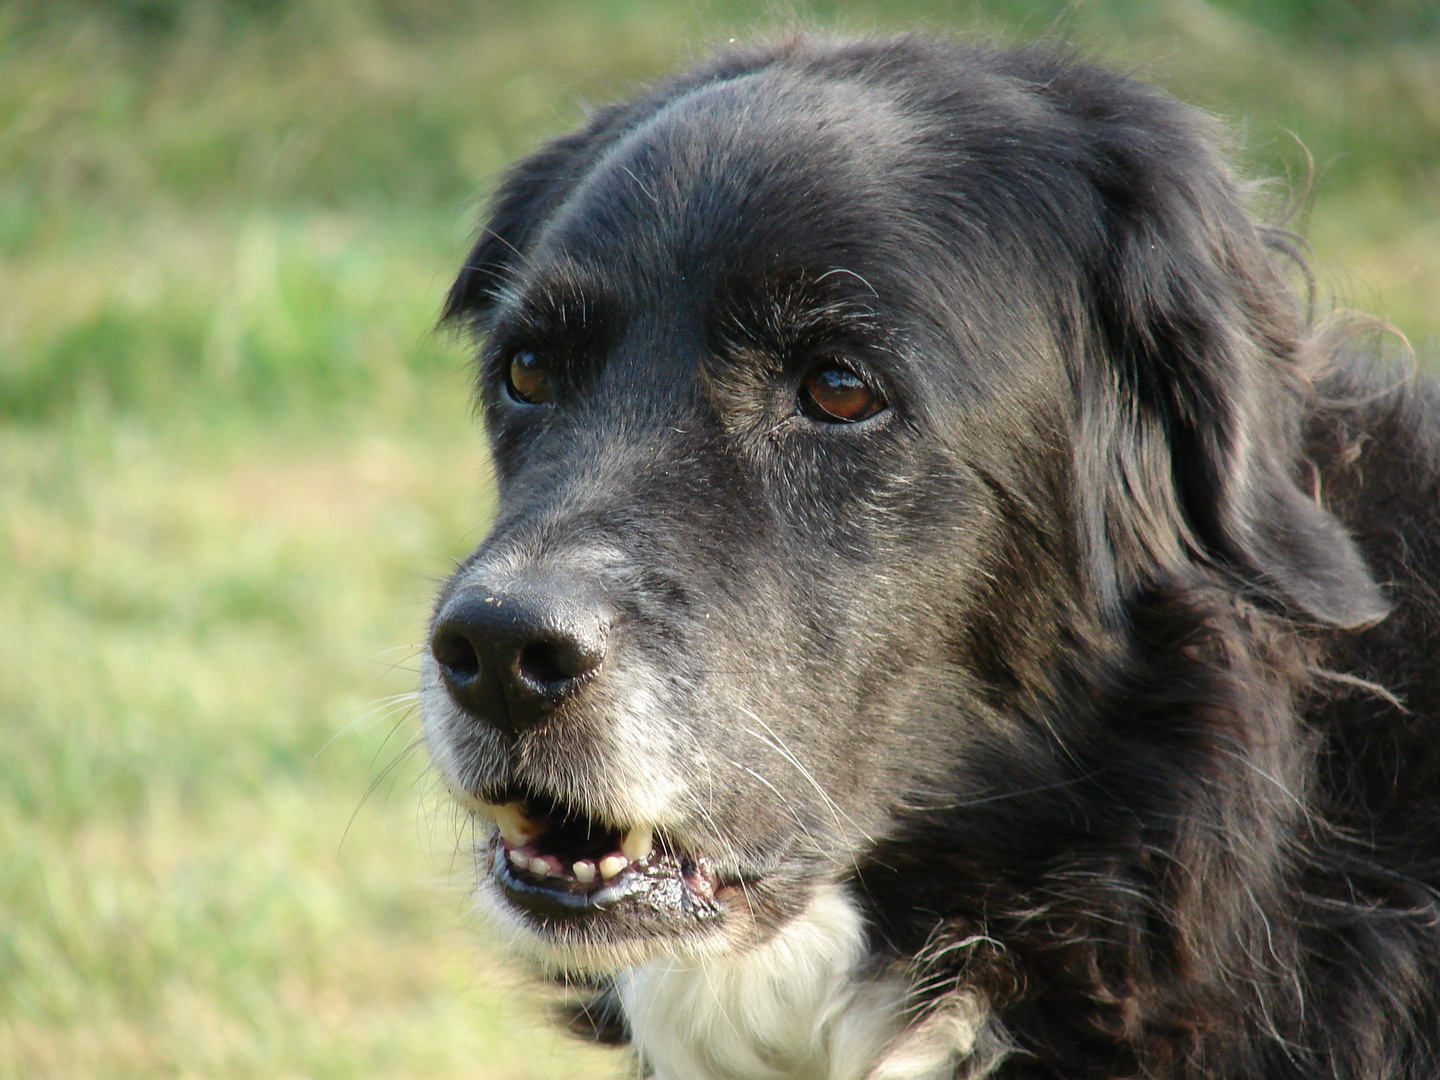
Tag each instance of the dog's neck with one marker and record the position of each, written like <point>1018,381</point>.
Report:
<point>798,1008</point>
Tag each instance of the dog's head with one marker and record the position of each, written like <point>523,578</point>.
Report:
<point>837,394</point>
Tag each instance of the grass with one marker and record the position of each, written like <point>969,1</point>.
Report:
<point>234,458</point>
<point>206,671</point>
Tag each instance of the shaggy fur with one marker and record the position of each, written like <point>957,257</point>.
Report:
<point>1070,713</point>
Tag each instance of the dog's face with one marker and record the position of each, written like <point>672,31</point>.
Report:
<point>788,376</point>
<point>723,502</point>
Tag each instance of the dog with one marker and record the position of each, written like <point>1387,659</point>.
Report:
<point>952,609</point>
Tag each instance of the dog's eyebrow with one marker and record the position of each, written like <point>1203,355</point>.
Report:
<point>791,307</point>
<point>558,308</point>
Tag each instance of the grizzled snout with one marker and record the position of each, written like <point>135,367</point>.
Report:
<point>509,656</point>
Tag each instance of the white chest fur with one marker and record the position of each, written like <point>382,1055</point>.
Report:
<point>795,1009</point>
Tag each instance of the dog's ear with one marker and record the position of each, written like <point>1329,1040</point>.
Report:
<point>1198,316</point>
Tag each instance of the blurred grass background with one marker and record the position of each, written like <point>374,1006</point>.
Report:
<point>233,458</point>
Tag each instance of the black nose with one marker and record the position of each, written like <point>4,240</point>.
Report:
<point>510,656</point>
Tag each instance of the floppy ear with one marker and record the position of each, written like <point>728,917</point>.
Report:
<point>1205,330</point>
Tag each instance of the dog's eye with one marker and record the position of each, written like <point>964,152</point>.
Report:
<point>837,395</point>
<point>526,380</point>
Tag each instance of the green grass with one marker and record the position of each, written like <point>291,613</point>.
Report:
<point>207,667</point>
<point>234,458</point>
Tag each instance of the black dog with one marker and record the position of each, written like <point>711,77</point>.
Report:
<point>951,612</point>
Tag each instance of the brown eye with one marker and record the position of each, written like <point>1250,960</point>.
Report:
<point>837,395</point>
<point>527,380</point>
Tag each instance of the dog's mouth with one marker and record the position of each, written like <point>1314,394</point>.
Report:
<point>554,862</point>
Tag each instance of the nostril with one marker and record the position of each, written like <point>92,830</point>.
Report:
<point>556,662</point>
<point>540,663</point>
<point>454,652</point>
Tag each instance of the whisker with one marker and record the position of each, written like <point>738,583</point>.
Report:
<point>779,747</point>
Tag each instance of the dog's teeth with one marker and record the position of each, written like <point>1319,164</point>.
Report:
<point>545,866</point>
<point>637,844</point>
<point>516,829</point>
<point>584,871</point>
<point>611,865</point>
<point>519,859</point>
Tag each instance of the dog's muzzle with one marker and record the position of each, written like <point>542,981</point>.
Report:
<point>513,658</point>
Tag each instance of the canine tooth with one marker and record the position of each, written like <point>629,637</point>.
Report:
<point>516,829</point>
<point>611,865</point>
<point>637,844</point>
<point>584,871</point>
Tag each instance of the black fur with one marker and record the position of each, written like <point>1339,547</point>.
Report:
<point>1100,665</point>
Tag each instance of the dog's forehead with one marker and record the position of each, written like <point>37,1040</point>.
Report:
<point>786,193</point>
<point>774,167</point>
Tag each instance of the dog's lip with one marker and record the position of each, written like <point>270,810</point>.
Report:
<point>550,896</point>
